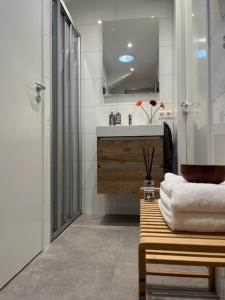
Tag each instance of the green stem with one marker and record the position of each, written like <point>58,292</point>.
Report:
<point>146,114</point>
<point>154,113</point>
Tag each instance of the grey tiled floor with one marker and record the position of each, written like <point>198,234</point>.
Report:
<point>96,259</point>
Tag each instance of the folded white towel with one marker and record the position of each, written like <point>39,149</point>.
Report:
<point>195,222</point>
<point>193,197</point>
<point>171,180</point>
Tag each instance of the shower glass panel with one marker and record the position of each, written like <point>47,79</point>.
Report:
<point>195,110</point>
<point>65,120</point>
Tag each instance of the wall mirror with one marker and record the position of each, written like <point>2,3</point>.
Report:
<point>131,56</point>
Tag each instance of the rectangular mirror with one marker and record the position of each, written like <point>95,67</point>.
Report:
<point>131,56</point>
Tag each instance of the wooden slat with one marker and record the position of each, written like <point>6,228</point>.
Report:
<point>180,235</point>
<point>177,273</point>
<point>185,253</point>
<point>184,244</point>
<point>185,260</point>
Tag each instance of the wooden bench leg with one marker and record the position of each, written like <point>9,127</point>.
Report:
<point>212,285</point>
<point>142,274</point>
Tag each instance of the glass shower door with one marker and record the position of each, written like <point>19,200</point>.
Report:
<point>65,121</point>
<point>195,110</point>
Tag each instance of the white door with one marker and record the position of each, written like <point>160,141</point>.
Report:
<point>20,135</point>
<point>195,109</point>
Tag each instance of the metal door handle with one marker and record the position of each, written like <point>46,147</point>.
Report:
<point>39,87</point>
<point>185,104</point>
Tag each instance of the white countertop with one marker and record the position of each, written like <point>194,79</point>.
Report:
<point>133,130</point>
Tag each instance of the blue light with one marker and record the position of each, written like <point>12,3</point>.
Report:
<point>126,58</point>
<point>201,53</point>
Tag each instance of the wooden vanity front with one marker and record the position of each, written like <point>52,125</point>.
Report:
<point>121,166</point>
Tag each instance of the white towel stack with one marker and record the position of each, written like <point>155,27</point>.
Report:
<point>189,206</point>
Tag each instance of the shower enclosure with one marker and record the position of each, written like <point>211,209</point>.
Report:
<point>65,120</point>
<point>194,106</point>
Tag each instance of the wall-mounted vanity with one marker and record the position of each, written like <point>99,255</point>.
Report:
<point>120,159</point>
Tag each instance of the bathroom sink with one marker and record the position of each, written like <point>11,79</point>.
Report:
<point>133,130</point>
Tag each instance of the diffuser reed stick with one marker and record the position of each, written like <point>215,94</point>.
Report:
<point>148,162</point>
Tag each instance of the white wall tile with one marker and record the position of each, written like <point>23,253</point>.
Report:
<point>91,92</point>
<point>88,116</point>
<point>128,204</point>
<point>89,173</point>
<point>108,204</point>
<point>89,147</point>
<point>166,88</point>
<point>89,11</point>
<point>98,204</point>
<point>91,65</point>
<point>138,116</point>
<point>132,98</point>
<point>103,112</point>
<point>165,32</point>
<point>144,8</point>
<point>89,204</point>
<point>91,37</point>
<point>165,60</point>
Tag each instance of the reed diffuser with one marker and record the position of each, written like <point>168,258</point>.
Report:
<point>148,183</point>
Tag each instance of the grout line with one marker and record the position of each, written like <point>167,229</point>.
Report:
<point>92,51</point>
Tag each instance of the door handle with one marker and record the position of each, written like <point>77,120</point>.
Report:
<point>185,104</point>
<point>39,87</point>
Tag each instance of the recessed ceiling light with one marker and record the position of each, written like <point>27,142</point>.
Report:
<point>152,17</point>
<point>132,69</point>
<point>126,58</point>
<point>99,21</point>
<point>129,45</point>
<point>200,40</point>
<point>193,15</point>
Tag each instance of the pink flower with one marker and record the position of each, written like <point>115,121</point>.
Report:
<point>153,102</point>
<point>139,102</point>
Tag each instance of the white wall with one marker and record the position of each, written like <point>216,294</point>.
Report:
<point>217,31</point>
<point>95,109</point>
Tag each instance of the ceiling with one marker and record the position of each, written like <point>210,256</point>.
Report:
<point>144,36</point>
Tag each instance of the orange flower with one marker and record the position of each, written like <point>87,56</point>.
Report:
<point>162,104</point>
<point>139,102</point>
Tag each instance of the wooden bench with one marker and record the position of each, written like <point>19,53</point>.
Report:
<point>159,245</point>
